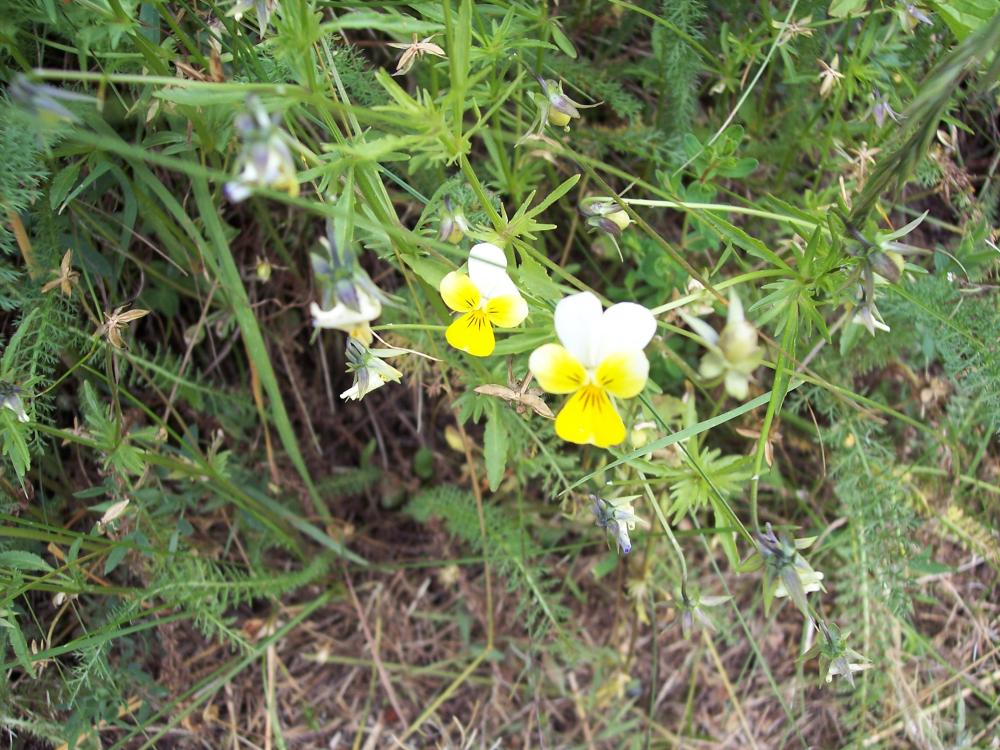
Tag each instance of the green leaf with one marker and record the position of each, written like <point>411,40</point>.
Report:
<point>496,444</point>
<point>388,23</point>
<point>562,41</point>
<point>63,182</point>
<point>728,231</point>
<point>115,557</point>
<point>15,447</point>
<point>965,16</point>
<point>19,645</point>
<point>23,560</point>
<point>535,279</point>
<point>429,269</point>
<point>845,8</point>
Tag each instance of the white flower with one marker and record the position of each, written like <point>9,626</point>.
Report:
<point>616,516</point>
<point>355,323</point>
<point>370,372</point>
<point>266,160</point>
<point>733,352</point>
<point>845,668</point>
<point>486,297</point>
<point>811,580</point>
<point>868,316</point>
<point>600,356</point>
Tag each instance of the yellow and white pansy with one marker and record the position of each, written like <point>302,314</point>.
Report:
<point>485,297</point>
<point>600,357</point>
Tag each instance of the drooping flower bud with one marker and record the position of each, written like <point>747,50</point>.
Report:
<point>370,371</point>
<point>454,225</point>
<point>888,265</point>
<point>606,215</point>
<point>738,339</point>
<point>558,109</point>
<point>786,572</point>
<point>10,398</point>
<point>617,517</point>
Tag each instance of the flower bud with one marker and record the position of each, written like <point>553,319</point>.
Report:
<point>454,225</point>
<point>264,269</point>
<point>370,372</point>
<point>10,398</point>
<point>888,265</point>
<point>606,215</point>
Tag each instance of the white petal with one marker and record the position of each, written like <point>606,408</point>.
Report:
<point>577,319</point>
<point>702,328</point>
<point>625,327</point>
<point>342,317</point>
<point>735,314</point>
<point>488,271</point>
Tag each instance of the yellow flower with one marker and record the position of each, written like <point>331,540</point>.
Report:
<point>600,357</point>
<point>486,297</point>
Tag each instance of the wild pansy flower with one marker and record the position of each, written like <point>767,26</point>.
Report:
<point>266,160</point>
<point>617,517</point>
<point>555,109</point>
<point>349,299</point>
<point>413,52</point>
<point>10,398</point>
<point>454,225</point>
<point>370,371</point>
<point>607,216</point>
<point>486,297</point>
<point>786,572</point>
<point>733,352</point>
<point>600,356</point>
<point>842,661</point>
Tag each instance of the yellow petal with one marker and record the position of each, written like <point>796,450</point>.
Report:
<point>507,311</point>
<point>590,417</point>
<point>458,292</point>
<point>472,333</point>
<point>623,374</point>
<point>556,370</point>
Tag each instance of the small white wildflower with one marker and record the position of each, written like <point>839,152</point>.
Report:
<point>370,372</point>
<point>733,352</point>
